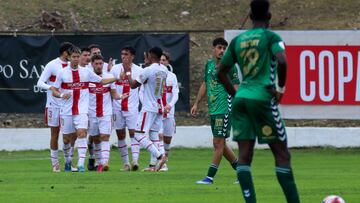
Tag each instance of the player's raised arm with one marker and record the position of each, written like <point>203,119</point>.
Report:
<point>199,97</point>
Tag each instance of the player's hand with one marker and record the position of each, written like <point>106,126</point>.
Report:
<point>66,96</point>
<point>193,110</point>
<point>110,65</point>
<point>167,108</point>
<point>125,95</point>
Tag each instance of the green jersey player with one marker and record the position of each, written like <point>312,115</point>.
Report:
<point>219,104</point>
<point>260,55</point>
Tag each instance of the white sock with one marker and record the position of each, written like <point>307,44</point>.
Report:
<point>105,152</point>
<point>97,152</point>
<point>66,150</point>
<point>82,148</point>
<point>154,136</point>
<point>54,157</point>
<point>167,149</point>
<point>123,150</point>
<point>72,152</point>
<point>135,150</point>
<point>147,144</point>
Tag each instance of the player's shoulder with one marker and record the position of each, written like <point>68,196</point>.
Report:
<point>272,36</point>
<point>107,75</point>
<point>53,62</point>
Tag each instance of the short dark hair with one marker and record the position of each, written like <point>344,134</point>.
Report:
<point>157,51</point>
<point>85,49</point>
<point>129,49</point>
<point>220,41</point>
<point>91,46</point>
<point>97,57</point>
<point>64,47</point>
<point>167,55</point>
<point>74,49</point>
<point>259,9</point>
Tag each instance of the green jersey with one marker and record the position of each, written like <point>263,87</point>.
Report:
<point>218,98</point>
<point>254,51</point>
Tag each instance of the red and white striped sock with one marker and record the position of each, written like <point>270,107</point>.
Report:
<point>135,150</point>
<point>54,157</point>
<point>97,152</point>
<point>105,152</point>
<point>82,148</point>
<point>123,150</point>
<point>147,144</point>
<point>66,150</point>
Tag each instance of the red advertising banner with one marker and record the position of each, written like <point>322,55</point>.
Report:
<point>323,75</point>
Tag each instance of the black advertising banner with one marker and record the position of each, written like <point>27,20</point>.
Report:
<point>23,58</point>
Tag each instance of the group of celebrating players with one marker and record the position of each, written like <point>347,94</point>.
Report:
<point>86,95</point>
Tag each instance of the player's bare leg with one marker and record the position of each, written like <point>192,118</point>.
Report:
<point>123,150</point>
<point>284,171</point>
<point>54,148</point>
<point>82,148</point>
<point>219,144</point>
<point>230,156</point>
<point>135,150</point>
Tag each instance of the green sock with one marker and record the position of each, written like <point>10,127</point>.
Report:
<point>246,183</point>
<point>212,171</point>
<point>234,164</point>
<point>287,182</point>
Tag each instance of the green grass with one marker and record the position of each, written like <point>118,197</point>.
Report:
<point>26,177</point>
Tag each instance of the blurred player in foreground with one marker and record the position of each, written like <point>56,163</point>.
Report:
<point>261,55</point>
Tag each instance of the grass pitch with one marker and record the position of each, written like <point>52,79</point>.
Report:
<point>26,177</point>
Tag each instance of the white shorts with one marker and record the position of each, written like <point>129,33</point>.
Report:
<point>100,125</point>
<point>52,116</point>
<point>125,119</point>
<point>149,121</point>
<point>168,127</point>
<point>69,123</point>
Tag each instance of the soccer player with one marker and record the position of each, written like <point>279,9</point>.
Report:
<point>100,114</point>
<point>219,105</point>
<point>72,85</point>
<point>169,99</point>
<point>126,111</point>
<point>261,55</point>
<point>52,109</point>
<point>94,49</point>
<point>150,119</point>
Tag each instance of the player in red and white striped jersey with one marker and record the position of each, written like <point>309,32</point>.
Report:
<point>100,113</point>
<point>150,119</point>
<point>52,109</point>
<point>72,85</point>
<point>95,50</point>
<point>170,97</point>
<point>126,111</point>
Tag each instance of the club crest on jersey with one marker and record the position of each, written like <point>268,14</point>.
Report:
<point>266,130</point>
